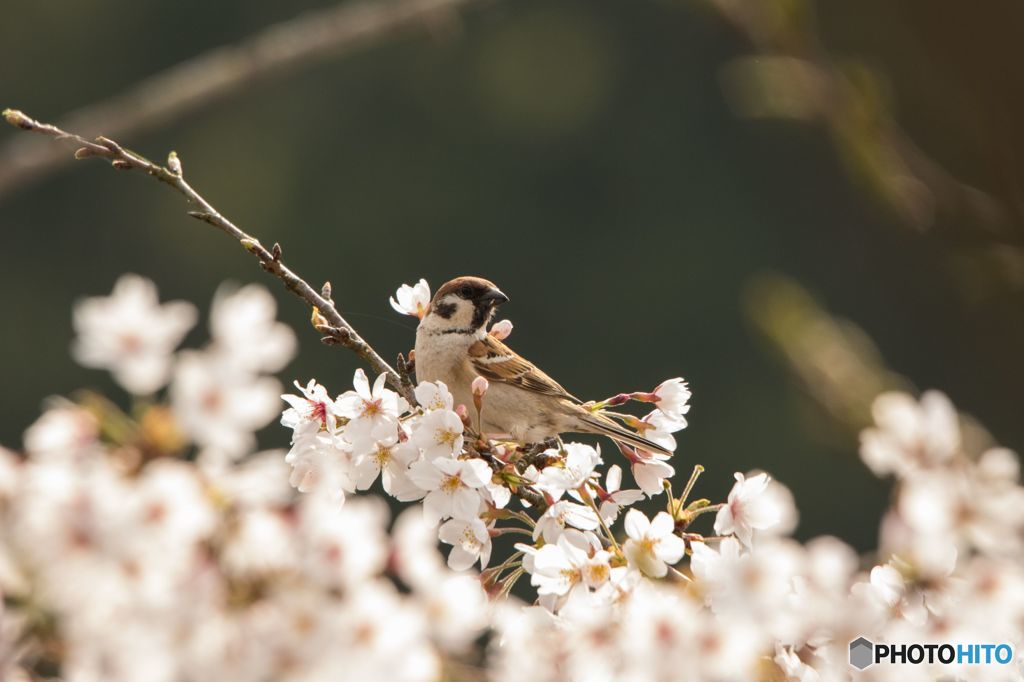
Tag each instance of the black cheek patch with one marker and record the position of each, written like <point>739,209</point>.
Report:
<point>445,310</point>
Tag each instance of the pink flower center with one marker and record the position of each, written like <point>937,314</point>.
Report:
<point>319,413</point>
<point>371,407</point>
<point>450,484</point>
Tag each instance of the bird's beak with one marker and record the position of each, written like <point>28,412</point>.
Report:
<point>495,297</point>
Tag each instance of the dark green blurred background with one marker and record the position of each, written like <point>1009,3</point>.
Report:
<point>583,155</point>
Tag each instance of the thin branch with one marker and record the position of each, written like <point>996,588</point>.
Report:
<point>216,74</point>
<point>327,319</point>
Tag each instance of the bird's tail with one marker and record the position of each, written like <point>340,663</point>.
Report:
<point>596,423</point>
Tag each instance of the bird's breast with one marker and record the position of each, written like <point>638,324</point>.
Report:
<point>441,357</point>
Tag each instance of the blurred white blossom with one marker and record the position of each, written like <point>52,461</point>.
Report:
<point>910,434</point>
<point>750,507</point>
<point>65,430</point>
<point>245,330</point>
<point>131,333</point>
<point>220,408</point>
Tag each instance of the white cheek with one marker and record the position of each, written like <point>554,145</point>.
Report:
<point>463,315</point>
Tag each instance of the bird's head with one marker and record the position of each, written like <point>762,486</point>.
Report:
<point>463,305</point>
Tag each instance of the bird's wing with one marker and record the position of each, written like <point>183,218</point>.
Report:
<point>495,361</point>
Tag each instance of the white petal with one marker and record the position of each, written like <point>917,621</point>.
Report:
<point>636,524</point>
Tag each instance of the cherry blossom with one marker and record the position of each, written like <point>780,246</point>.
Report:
<point>131,333</point>
<point>748,508</point>
<point>372,413</point>
<point>470,543</point>
<point>245,330</point>
<point>650,473</point>
<point>615,499</point>
<point>390,460</point>
<point>219,408</point>
<point>910,434</point>
<point>672,398</point>
<point>652,546</point>
<point>439,434</point>
<point>312,412</point>
<point>434,396</point>
<point>576,463</point>
<point>452,487</point>
<point>412,300</point>
<point>562,514</point>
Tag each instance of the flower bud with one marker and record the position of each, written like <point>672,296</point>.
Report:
<point>174,163</point>
<point>18,118</point>
<point>501,330</point>
<point>479,387</point>
<point>318,320</point>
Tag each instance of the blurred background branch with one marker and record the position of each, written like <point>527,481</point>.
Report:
<point>792,76</point>
<point>198,82</point>
<point>836,362</point>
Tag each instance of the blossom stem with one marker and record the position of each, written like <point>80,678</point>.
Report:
<point>698,469</point>
<point>492,574</point>
<point>707,510</point>
<point>496,532</point>
<point>524,517</point>
<point>585,494</point>
<point>510,582</point>
<point>697,537</point>
<point>679,574</point>
<point>113,422</point>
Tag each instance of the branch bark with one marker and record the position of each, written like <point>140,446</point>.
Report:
<point>216,74</point>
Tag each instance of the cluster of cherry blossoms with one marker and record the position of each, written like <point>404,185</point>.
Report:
<point>154,543</point>
<point>219,395</point>
<point>473,488</point>
<point>949,571</point>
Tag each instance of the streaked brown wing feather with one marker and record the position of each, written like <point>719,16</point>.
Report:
<point>495,361</point>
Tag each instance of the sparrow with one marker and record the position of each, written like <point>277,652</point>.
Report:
<point>522,402</point>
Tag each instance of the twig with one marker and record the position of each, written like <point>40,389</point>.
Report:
<point>225,70</point>
<point>327,320</point>
<point>334,327</point>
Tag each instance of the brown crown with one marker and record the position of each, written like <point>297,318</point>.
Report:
<point>476,284</point>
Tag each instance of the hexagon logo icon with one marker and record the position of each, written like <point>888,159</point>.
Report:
<point>862,653</point>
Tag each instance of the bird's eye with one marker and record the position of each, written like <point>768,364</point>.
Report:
<point>465,292</point>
